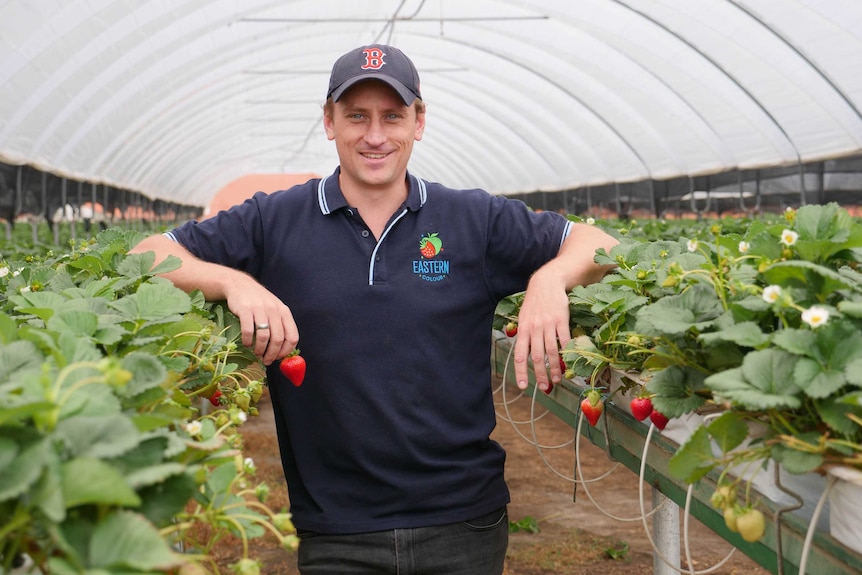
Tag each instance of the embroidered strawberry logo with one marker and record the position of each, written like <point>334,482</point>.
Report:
<point>430,245</point>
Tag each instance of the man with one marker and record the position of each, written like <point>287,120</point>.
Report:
<point>392,282</point>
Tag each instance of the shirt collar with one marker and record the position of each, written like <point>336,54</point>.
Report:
<point>330,198</point>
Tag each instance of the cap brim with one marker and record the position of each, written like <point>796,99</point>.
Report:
<point>406,93</point>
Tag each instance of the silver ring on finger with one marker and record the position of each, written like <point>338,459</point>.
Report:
<point>260,326</point>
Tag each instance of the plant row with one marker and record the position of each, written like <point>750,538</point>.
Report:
<point>753,326</point>
<point>121,397</point>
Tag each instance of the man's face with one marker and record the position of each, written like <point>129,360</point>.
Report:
<point>374,133</point>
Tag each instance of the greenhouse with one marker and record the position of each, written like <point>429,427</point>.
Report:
<point>709,153</point>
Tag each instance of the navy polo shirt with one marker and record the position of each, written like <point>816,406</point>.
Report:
<point>391,426</point>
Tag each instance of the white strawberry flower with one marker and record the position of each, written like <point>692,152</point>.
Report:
<point>691,245</point>
<point>4,271</point>
<point>194,428</point>
<point>815,316</point>
<point>591,221</point>
<point>789,237</point>
<point>248,465</point>
<point>771,293</point>
<point>744,247</point>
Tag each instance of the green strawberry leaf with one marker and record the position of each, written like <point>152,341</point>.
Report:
<point>17,359</point>
<point>127,540</point>
<point>24,471</point>
<point>694,458</point>
<point>89,480</point>
<point>694,309</point>
<point>98,436</point>
<point>147,372</point>
<point>816,380</point>
<point>834,413</point>
<point>851,308</point>
<point>744,334</point>
<point>675,390</point>
<point>819,281</point>
<point>79,323</point>
<point>728,430</point>
<point>764,381</point>
<point>853,372</point>
<point>796,341</point>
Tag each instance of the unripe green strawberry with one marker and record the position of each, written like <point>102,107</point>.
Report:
<point>192,569</point>
<point>282,522</point>
<point>751,524</point>
<point>255,388</point>
<point>261,492</point>
<point>242,398</point>
<point>246,567</point>
<point>730,519</point>
<point>290,542</point>
<point>724,496</point>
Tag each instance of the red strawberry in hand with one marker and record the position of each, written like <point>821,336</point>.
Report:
<point>658,419</point>
<point>641,407</point>
<point>293,368</point>
<point>592,406</point>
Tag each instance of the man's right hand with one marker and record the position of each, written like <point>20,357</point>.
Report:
<point>251,302</point>
<point>256,306</point>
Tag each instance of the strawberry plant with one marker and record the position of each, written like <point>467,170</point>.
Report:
<point>759,320</point>
<point>108,460</point>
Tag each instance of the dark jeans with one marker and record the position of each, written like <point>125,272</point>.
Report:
<point>474,547</point>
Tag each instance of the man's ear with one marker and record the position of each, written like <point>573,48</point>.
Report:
<point>420,125</point>
<point>327,126</point>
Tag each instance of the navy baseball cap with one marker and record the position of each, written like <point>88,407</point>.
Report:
<point>375,62</point>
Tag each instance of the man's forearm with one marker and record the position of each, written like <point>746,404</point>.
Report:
<point>575,265</point>
<point>214,280</point>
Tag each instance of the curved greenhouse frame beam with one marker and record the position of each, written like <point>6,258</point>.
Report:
<point>723,71</point>
<point>802,56</point>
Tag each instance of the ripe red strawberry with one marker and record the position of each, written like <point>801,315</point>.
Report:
<point>592,406</point>
<point>641,407</point>
<point>511,329</point>
<point>549,389</point>
<point>215,398</point>
<point>659,419</point>
<point>293,368</point>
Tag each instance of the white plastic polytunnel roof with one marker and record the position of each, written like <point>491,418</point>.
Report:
<point>177,98</point>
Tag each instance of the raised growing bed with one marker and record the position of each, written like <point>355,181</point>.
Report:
<point>623,437</point>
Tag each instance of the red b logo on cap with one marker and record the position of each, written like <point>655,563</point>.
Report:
<point>373,59</point>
